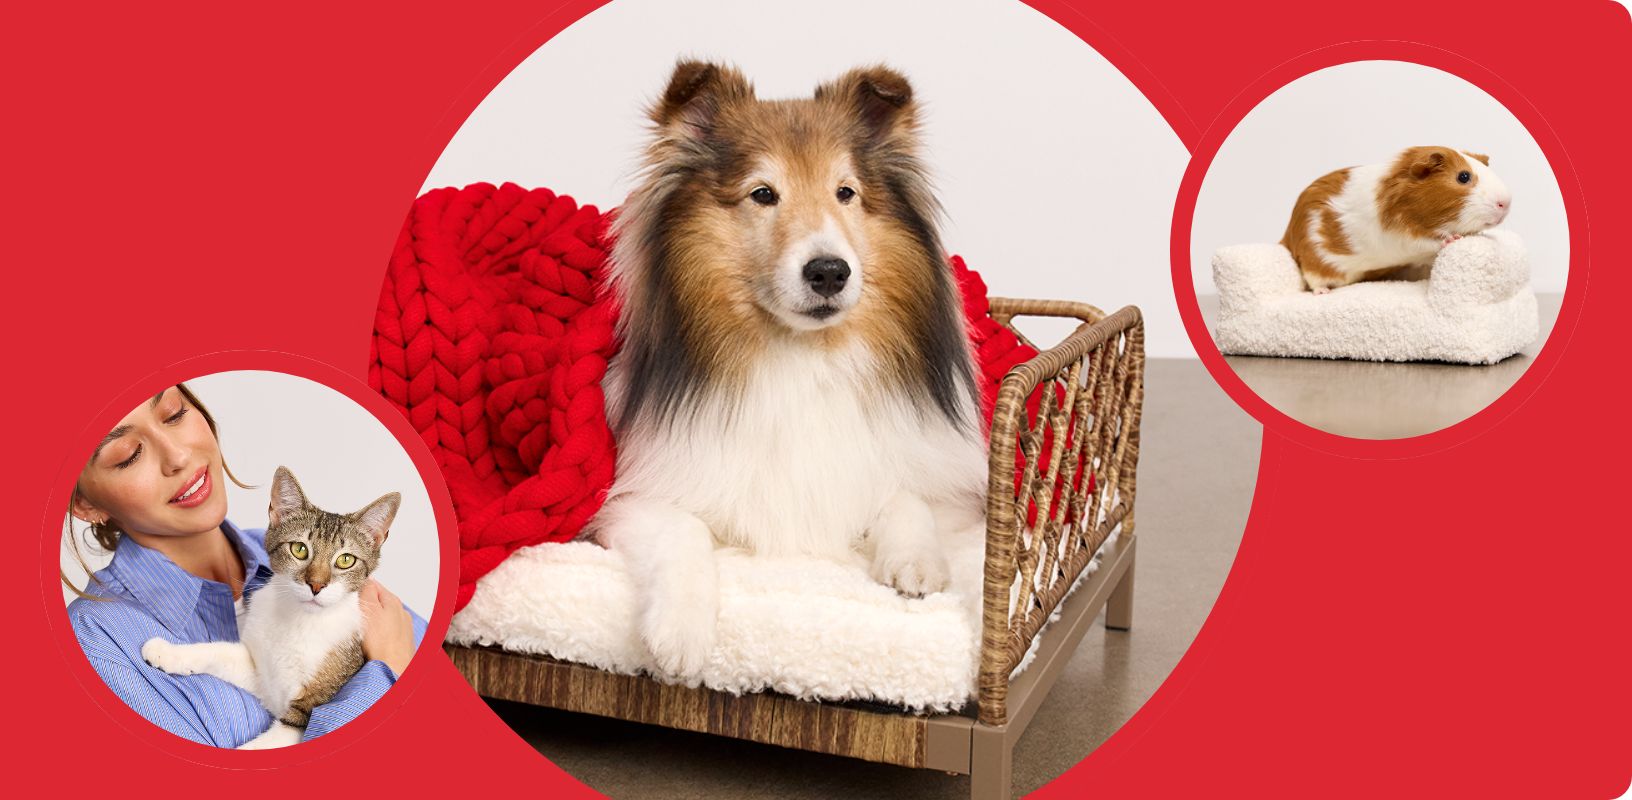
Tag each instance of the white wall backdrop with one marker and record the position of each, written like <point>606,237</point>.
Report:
<point>343,457</point>
<point>1361,113</point>
<point>1057,175</point>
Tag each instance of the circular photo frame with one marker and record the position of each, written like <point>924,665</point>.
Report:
<point>247,556</point>
<point>1333,164</point>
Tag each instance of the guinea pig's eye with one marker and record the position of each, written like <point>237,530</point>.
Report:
<point>345,561</point>
<point>1464,176</point>
<point>845,194</point>
<point>298,550</point>
<point>764,196</point>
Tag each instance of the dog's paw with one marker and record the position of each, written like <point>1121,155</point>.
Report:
<point>680,640</point>
<point>1323,290</point>
<point>679,628</point>
<point>916,574</point>
<point>165,655</point>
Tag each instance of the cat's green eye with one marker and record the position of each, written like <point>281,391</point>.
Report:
<point>345,561</point>
<point>298,550</point>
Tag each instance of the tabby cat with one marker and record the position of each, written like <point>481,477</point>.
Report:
<point>300,637</point>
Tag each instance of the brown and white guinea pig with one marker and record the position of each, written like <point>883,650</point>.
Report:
<point>1389,220</point>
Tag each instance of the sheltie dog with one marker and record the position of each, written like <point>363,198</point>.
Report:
<point>794,374</point>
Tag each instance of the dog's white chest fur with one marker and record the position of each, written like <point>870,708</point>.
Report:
<point>805,458</point>
<point>288,642</point>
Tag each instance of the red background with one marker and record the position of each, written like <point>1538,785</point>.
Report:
<point>1447,615</point>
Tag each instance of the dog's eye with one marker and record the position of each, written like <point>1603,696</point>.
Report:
<point>846,194</point>
<point>1464,176</point>
<point>763,196</point>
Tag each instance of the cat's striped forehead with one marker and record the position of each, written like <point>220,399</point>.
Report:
<point>318,526</point>
<point>312,544</point>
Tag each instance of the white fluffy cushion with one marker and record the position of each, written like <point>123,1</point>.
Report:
<point>814,629</point>
<point>1475,308</point>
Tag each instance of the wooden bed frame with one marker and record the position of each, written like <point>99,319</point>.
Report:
<point>1097,375</point>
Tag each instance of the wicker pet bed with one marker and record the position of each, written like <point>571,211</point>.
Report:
<point>1098,374</point>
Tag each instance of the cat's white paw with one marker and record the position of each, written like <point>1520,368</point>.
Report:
<point>279,735</point>
<point>678,627</point>
<point>913,572</point>
<point>167,656</point>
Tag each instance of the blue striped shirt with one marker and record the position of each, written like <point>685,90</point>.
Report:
<point>148,596</point>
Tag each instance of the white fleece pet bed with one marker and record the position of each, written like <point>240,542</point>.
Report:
<point>814,629</point>
<point>1475,308</point>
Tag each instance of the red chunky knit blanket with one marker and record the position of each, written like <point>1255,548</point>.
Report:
<point>492,336</point>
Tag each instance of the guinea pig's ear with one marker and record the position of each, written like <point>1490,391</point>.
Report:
<point>879,97</point>
<point>1427,164</point>
<point>697,91</point>
<point>287,497</point>
<point>1480,157</point>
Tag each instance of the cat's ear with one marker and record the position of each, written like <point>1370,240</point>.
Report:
<point>287,498</point>
<point>375,518</point>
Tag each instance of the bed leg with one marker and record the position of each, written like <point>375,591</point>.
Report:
<point>991,764</point>
<point>1119,608</point>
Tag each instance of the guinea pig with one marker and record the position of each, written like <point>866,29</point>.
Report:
<point>1389,220</point>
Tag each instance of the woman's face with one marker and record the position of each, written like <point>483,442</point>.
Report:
<point>158,472</point>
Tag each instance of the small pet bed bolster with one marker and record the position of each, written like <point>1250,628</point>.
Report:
<point>1475,308</point>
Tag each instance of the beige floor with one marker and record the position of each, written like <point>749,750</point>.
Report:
<point>1373,400</point>
<point>1197,471</point>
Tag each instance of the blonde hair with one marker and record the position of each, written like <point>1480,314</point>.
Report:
<point>106,534</point>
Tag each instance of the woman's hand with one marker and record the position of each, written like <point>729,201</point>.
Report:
<point>388,631</point>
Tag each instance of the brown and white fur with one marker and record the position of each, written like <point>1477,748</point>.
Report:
<point>300,636</point>
<point>1389,220</point>
<point>766,397</point>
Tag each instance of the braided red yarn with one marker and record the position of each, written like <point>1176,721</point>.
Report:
<point>490,340</point>
<point>492,336</point>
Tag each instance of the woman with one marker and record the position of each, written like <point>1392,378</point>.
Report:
<point>180,570</point>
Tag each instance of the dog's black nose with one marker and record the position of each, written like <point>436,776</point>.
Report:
<point>826,276</point>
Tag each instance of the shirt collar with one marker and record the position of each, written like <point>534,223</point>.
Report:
<point>169,591</point>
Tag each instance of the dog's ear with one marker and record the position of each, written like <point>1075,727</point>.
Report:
<point>880,97</point>
<point>697,91</point>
